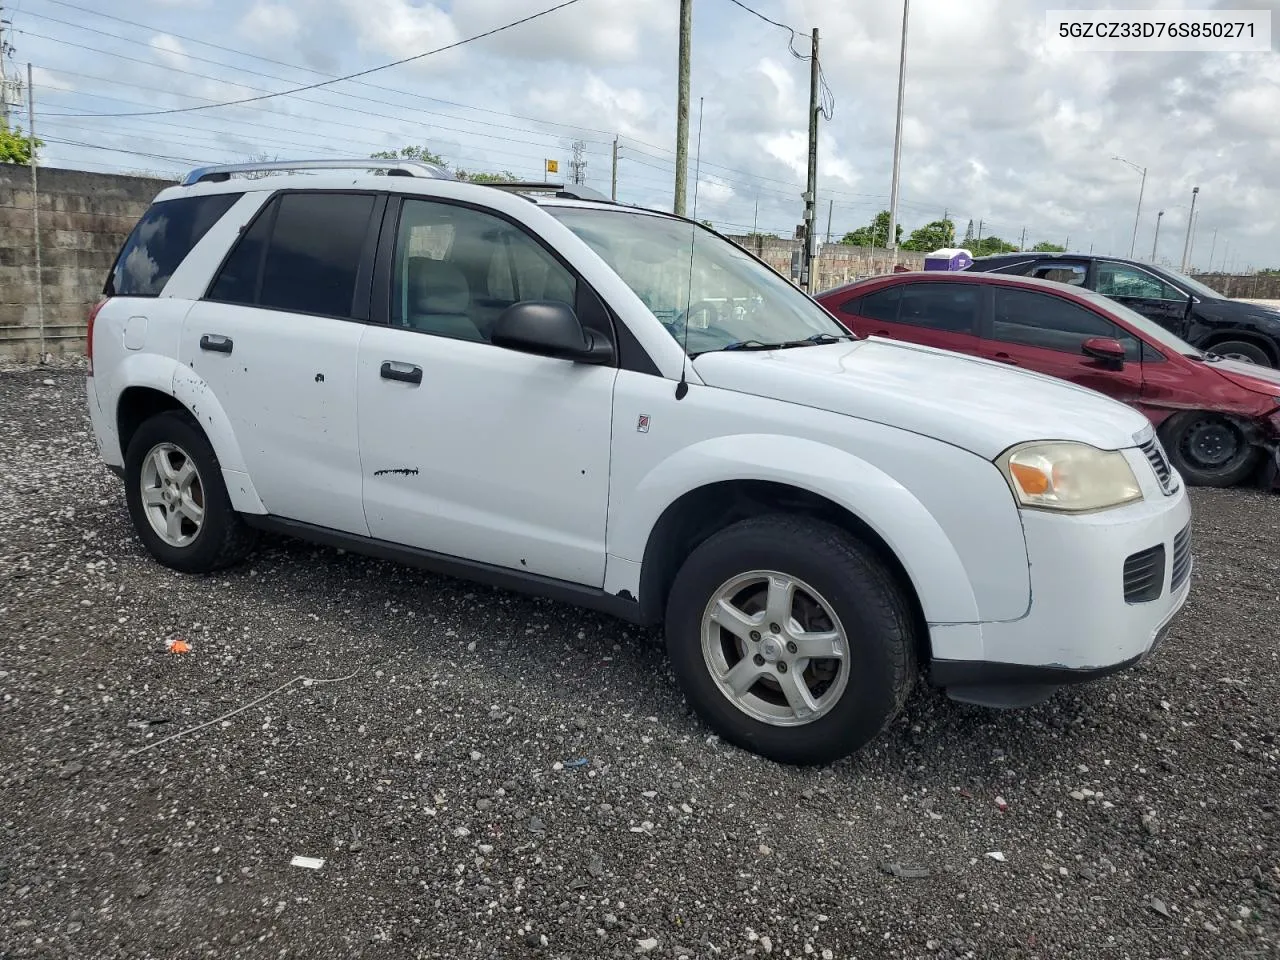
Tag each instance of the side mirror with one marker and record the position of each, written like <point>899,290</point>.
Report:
<point>549,328</point>
<point>1109,352</point>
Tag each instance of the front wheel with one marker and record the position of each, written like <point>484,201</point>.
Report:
<point>176,497</point>
<point>1243,351</point>
<point>1208,449</point>
<point>790,639</point>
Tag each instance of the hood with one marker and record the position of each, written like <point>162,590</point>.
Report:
<point>982,406</point>
<point>1251,376</point>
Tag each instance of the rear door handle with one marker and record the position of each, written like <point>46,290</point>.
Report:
<point>404,372</point>
<point>216,343</point>
<point>1005,358</point>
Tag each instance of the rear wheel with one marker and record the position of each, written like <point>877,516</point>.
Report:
<point>790,639</point>
<point>1243,351</point>
<point>176,497</point>
<point>1208,449</point>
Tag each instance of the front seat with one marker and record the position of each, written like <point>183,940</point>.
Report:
<point>439,300</point>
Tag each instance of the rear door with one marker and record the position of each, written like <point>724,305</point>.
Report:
<point>1144,293</point>
<point>277,337</point>
<point>1046,333</point>
<point>932,313</point>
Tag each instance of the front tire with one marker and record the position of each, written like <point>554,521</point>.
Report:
<point>1242,350</point>
<point>1208,449</point>
<point>791,639</point>
<point>177,500</point>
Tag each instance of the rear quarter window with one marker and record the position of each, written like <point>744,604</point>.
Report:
<point>160,242</point>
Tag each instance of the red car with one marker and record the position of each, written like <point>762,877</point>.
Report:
<point>1218,419</point>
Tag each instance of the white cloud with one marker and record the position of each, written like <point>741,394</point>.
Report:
<point>269,23</point>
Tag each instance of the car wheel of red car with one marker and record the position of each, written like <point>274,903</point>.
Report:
<point>1209,450</point>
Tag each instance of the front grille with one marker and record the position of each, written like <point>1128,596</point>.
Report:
<point>1181,557</point>
<point>1160,464</point>
<point>1144,575</point>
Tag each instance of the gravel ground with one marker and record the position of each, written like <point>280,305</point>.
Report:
<point>503,777</point>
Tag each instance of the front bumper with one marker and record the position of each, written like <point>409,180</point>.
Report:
<point>1081,625</point>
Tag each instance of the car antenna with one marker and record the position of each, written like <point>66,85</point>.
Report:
<point>682,387</point>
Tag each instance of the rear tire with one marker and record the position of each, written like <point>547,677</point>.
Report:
<point>1242,350</point>
<point>786,585</point>
<point>1208,449</point>
<point>177,499</point>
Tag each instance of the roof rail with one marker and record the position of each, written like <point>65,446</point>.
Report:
<point>400,168</point>
<point>573,191</point>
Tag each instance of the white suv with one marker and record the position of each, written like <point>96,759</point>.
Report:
<point>619,408</point>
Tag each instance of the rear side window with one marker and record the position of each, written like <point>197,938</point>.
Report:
<point>302,255</point>
<point>160,242</point>
<point>881,305</point>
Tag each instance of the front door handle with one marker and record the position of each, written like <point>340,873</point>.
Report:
<point>1005,358</point>
<point>216,343</point>
<point>404,372</point>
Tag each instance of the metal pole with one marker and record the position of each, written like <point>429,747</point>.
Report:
<point>35,207</point>
<point>1138,215</point>
<point>4,80</point>
<point>892,239</point>
<point>697,163</point>
<point>1156,239</point>
<point>1186,245</point>
<point>1212,247</point>
<point>614,185</point>
<point>831,206</point>
<point>1022,245</point>
<point>682,106</point>
<point>1195,227</point>
<point>807,271</point>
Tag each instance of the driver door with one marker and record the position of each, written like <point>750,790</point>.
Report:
<point>467,449</point>
<point>1143,293</point>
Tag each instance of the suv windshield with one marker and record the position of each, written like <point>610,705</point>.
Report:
<point>709,293</point>
<point>1192,286</point>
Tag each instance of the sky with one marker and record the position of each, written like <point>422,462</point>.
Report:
<point>999,127</point>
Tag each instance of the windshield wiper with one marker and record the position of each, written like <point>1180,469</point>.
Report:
<point>816,340</point>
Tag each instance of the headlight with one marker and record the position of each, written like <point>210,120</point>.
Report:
<point>1072,477</point>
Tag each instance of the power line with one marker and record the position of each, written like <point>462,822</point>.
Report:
<point>828,102</point>
<point>349,76</point>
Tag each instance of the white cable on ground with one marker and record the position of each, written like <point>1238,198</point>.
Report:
<point>309,681</point>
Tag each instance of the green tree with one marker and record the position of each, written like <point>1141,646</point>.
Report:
<point>410,153</point>
<point>968,237</point>
<point>506,176</point>
<point>14,147</point>
<point>874,234</point>
<point>932,236</point>
<point>1045,247</point>
<point>989,245</point>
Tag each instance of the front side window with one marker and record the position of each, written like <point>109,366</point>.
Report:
<point>1042,320</point>
<point>1118,280</point>
<point>707,292</point>
<point>457,269</point>
<point>301,255</point>
<point>949,307</point>
<point>160,242</point>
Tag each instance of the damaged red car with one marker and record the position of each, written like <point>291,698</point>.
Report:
<point>1218,419</point>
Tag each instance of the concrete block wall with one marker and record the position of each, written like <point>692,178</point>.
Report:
<point>84,219</point>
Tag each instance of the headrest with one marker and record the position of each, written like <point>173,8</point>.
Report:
<point>437,287</point>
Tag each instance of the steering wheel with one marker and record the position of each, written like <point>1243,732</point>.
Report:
<point>701,306</point>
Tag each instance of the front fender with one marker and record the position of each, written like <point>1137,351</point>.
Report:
<point>930,559</point>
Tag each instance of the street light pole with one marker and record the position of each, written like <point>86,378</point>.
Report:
<point>1138,215</point>
<point>897,137</point>
<point>1156,239</point>
<point>1191,219</point>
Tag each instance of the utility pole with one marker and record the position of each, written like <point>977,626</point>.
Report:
<point>1212,247</point>
<point>1186,245</point>
<point>5,50</point>
<point>831,206</point>
<point>613,187</point>
<point>892,240</point>
<point>1067,246</point>
<point>1022,244</point>
<point>755,217</point>
<point>807,272</point>
<point>682,105</point>
<point>35,207</point>
<point>1156,239</point>
<point>978,242</point>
